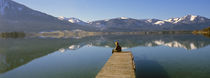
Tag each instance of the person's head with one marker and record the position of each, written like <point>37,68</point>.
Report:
<point>116,43</point>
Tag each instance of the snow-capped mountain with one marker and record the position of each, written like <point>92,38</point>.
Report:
<point>151,21</point>
<point>18,17</point>
<point>121,23</point>
<point>189,22</point>
<point>189,19</point>
<point>73,20</point>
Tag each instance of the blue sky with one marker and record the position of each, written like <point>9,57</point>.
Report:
<point>89,10</point>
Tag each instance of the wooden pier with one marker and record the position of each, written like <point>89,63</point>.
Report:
<point>119,65</point>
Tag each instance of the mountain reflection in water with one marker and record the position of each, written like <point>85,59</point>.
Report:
<point>187,41</point>
<point>17,52</point>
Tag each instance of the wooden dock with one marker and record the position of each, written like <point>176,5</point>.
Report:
<point>119,65</point>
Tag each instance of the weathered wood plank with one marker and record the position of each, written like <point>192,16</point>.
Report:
<point>119,65</point>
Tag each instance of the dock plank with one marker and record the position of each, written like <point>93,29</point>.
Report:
<point>119,65</point>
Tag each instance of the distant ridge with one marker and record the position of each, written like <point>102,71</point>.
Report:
<point>73,20</point>
<point>189,22</point>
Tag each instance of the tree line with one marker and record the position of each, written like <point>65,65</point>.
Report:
<point>12,34</point>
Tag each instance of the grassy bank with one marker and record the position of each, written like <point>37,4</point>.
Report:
<point>205,32</point>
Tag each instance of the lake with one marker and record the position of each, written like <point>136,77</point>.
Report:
<point>156,56</point>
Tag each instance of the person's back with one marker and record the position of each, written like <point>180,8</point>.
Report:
<point>117,48</point>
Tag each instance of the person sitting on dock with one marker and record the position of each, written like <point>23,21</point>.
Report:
<point>117,48</point>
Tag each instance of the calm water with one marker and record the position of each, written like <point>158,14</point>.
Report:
<point>156,56</point>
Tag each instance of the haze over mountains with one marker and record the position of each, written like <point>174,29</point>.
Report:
<point>17,17</point>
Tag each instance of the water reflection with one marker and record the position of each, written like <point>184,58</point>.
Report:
<point>17,52</point>
<point>186,41</point>
<point>150,69</point>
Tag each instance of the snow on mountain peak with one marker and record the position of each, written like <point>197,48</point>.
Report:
<point>149,21</point>
<point>173,20</point>
<point>159,23</point>
<point>192,17</point>
<point>63,18</point>
<point>123,18</point>
<point>186,19</point>
<point>72,20</point>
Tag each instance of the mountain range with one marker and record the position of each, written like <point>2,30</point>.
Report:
<point>17,17</point>
<point>188,22</point>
